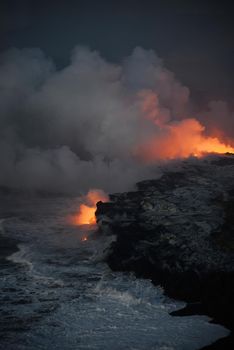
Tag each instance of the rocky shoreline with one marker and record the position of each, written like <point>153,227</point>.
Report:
<point>178,231</point>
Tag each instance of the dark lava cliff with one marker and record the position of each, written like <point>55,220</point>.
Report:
<point>179,232</point>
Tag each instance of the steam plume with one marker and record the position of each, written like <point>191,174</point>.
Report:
<point>87,125</point>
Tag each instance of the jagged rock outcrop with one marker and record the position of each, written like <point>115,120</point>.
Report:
<point>179,231</point>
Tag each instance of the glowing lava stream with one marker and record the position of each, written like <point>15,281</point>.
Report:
<point>181,140</point>
<point>86,213</point>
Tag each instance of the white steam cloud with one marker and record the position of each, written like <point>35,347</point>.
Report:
<point>71,129</point>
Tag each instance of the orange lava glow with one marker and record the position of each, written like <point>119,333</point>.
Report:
<point>86,212</point>
<point>86,215</point>
<point>181,140</point>
<point>176,139</point>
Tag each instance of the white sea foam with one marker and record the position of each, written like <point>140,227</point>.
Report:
<point>21,257</point>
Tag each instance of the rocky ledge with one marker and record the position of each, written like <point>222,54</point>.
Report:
<point>179,232</point>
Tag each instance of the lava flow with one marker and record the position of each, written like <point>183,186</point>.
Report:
<point>181,140</point>
<point>86,212</point>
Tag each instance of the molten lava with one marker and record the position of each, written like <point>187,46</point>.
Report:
<point>181,140</point>
<point>86,212</point>
<point>174,139</point>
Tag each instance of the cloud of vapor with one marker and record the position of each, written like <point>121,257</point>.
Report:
<point>80,127</point>
<point>219,120</point>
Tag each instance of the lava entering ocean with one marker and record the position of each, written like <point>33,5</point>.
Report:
<point>180,139</point>
<point>86,213</point>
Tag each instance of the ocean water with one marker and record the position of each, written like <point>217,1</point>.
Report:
<point>57,293</point>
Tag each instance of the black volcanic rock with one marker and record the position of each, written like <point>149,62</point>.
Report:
<point>179,232</point>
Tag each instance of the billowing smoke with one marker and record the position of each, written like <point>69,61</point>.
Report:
<point>93,124</point>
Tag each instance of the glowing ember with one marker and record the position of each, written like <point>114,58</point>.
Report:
<point>84,239</point>
<point>86,213</point>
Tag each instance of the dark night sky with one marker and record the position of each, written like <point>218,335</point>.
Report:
<point>195,38</point>
<point>81,127</point>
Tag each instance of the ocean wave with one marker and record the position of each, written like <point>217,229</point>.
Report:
<point>21,257</point>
